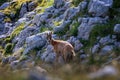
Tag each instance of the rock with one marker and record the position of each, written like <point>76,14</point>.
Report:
<point>96,48</point>
<point>17,64</point>
<point>99,7</point>
<point>117,28</point>
<point>23,9</point>
<point>48,55</point>
<point>117,44</point>
<point>59,3</point>
<point>87,25</point>
<point>71,13</point>
<point>62,26</point>
<point>31,6</point>
<point>104,72</point>
<point>106,49</point>
<point>35,41</point>
<point>106,40</point>
<point>21,38</point>
<point>2,16</point>
<point>30,15</point>
<point>36,20</point>
<point>2,26</point>
<point>74,41</point>
<point>4,5</point>
<point>36,74</point>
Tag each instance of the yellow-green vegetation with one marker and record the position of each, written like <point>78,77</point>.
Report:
<point>44,4</point>
<point>8,48</point>
<point>43,28</point>
<point>17,30</point>
<point>57,23</point>
<point>14,8</point>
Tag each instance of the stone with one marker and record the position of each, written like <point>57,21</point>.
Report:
<point>87,25</point>
<point>31,6</point>
<point>2,26</point>
<point>117,28</point>
<point>106,50</point>
<point>23,9</point>
<point>48,55</point>
<point>2,16</point>
<point>35,41</point>
<point>61,27</point>
<point>95,48</point>
<point>4,5</point>
<point>21,38</point>
<point>99,7</point>
<point>104,72</point>
<point>59,3</point>
<point>106,40</point>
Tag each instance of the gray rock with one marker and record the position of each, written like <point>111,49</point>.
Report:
<point>32,5</point>
<point>23,9</point>
<point>2,16</point>
<point>117,28</point>
<point>87,25</point>
<point>62,26</point>
<point>99,7</point>
<point>37,73</point>
<point>2,26</point>
<point>59,3</point>
<point>35,41</point>
<point>36,20</point>
<point>106,40</point>
<point>17,64</point>
<point>105,71</point>
<point>21,38</point>
<point>77,44</point>
<point>106,49</point>
<point>48,55</point>
<point>96,48</point>
<point>4,5</point>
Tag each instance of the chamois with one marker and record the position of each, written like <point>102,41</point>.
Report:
<point>61,48</point>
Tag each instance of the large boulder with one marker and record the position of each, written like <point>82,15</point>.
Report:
<point>87,25</point>
<point>35,41</point>
<point>48,55</point>
<point>99,7</point>
<point>20,39</point>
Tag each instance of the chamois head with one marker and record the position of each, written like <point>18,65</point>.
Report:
<point>49,37</point>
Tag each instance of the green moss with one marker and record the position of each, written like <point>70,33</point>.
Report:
<point>8,48</point>
<point>44,4</point>
<point>17,30</point>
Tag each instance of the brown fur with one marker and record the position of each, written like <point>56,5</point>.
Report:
<point>62,48</point>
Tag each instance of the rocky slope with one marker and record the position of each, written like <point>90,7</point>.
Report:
<point>92,27</point>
